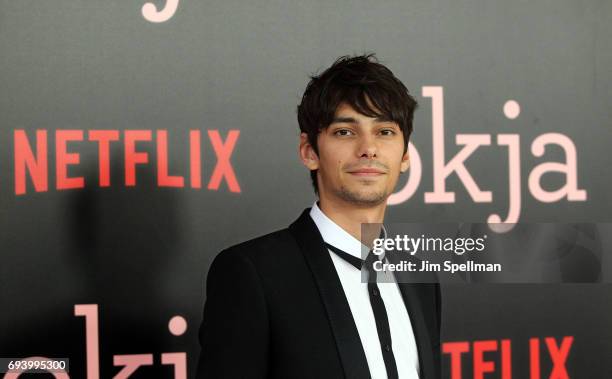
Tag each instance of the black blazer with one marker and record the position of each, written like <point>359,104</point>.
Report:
<point>275,308</point>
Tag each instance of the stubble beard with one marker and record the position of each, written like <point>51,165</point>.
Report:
<point>362,198</point>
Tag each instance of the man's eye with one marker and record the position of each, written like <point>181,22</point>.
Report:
<point>343,132</point>
<point>387,132</point>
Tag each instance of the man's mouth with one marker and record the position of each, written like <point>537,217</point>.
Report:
<point>367,172</point>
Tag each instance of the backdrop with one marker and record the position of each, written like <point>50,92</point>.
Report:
<point>139,139</point>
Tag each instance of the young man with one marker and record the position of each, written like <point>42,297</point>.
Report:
<point>292,304</point>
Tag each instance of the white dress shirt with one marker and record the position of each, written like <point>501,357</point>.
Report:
<point>402,337</point>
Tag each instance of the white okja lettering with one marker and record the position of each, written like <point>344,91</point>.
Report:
<point>443,168</point>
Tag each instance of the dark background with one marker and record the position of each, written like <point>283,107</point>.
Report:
<point>142,253</point>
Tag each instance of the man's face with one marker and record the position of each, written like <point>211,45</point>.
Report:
<point>359,160</point>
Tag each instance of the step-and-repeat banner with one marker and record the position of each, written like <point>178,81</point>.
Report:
<point>140,138</point>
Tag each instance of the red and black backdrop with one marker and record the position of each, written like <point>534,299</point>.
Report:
<point>138,139</point>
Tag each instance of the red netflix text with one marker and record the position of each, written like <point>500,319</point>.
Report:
<point>32,157</point>
<point>539,349</point>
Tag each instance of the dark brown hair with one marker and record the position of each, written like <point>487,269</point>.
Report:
<point>354,80</point>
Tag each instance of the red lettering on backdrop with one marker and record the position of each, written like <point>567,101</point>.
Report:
<point>104,137</point>
<point>481,366</point>
<point>506,360</point>
<point>63,159</point>
<point>25,159</point>
<point>35,165</point>
<point>195,157</point>
<point>534,358</point>
<point>223,151</point>
<point>559,356</point>
<point>455,349</point>
<point>131,156</point>
<point>163,178</point>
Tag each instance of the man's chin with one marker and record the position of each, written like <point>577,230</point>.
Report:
<point>364,198</point>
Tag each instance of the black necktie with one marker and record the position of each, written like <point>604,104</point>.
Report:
<point>378,307</point>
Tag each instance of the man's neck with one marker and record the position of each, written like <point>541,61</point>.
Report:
<point>350,217</point>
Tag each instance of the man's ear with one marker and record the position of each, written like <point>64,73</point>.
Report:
<point>309,157</point>
<point>405,162</point>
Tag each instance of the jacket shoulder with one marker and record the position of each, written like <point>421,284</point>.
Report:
<point>269,246</point>
<point>273,250</point>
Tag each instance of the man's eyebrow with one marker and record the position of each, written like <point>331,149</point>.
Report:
<point>345,120</point>
<point>352,120</point>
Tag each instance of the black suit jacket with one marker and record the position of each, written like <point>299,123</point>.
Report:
<point>275,308</point>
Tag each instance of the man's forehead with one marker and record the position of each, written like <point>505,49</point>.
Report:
<point>345,107</point>
<point>346,113</point>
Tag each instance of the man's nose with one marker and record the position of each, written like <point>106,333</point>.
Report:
<point>367,147</point>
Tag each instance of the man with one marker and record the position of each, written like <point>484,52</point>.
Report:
<point>292,304</point>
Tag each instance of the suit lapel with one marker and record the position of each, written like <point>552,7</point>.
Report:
<point>339,314</point>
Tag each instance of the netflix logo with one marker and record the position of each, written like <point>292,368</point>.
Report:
<point>32,154</point>
<point>484,355</point>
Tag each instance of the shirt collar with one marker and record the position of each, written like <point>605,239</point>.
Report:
<point>334,235</point>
